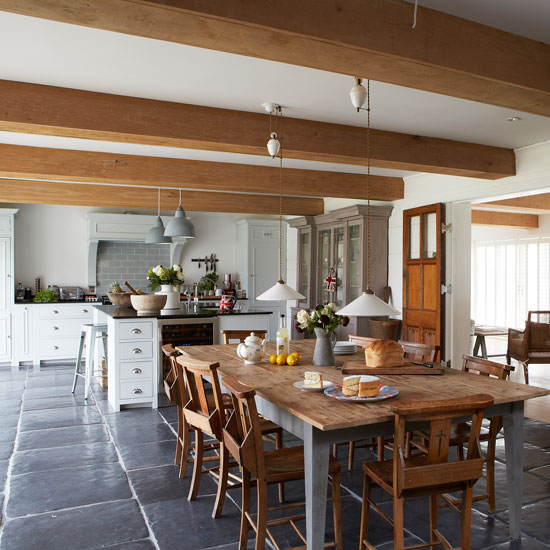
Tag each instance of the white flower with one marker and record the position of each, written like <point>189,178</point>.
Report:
<point>179,275</point>
<point>324,311</point>
<point>157,270</point>
<point>176,267</point>
<point>302,316</point>
<point>332,306</point>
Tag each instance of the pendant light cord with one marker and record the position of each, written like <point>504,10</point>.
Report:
<point>368,184</point>
<point>281,199</point>
<point>180,199</point>
<point>158,203</point>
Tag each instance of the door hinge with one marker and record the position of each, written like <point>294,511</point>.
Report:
<point>446,289</point>
<point>446,228</point>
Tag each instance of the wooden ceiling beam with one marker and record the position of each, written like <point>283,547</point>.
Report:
<point>48,110</point>
<point>95,167</point>
<point>505,219</point>
<point>375,39</point>
<point>539,204</point>
<point>109,196</point>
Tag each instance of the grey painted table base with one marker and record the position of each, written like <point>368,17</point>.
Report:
<point>317,446</point>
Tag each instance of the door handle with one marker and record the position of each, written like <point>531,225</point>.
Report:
<point>55,311</point>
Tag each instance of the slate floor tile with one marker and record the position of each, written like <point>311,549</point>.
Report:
<point>133,435</point>
<point>537,433</point>
<point>524,543</point>
<point>535,520</point>
<point>60,437</point>
<point>11,385</point>
<point>543,472</point>
<point>3,472</point>
<point>533,456</point>
<point>146,455</point>
<point>58,418</point>
<point>170,414</point>
<point>145,544</point>
<point>63,457</point>
<point>6,449</point>
<point>10,420</point>
<point>8,434</point>
<point>162,483</point>
<point>40,403</point>
<point>136,417</point>
<point>87,528</point>
<point>52,380</point>
<point>52,391</point>
<point>11,394</point>
<point>56,489</point>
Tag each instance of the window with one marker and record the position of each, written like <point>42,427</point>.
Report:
<point>509,278</point>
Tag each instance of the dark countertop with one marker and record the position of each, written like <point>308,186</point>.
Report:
<point>27,302</point>
<point>181,313</point>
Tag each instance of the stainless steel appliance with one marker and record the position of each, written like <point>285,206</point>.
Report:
<point>71,293</point>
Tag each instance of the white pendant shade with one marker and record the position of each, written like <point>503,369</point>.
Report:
<point>358,94</point>
<point>180,225</point>
<point>280,291</point>
<point>273,145</point>
<point>367,305</point>
<point>156,233</point>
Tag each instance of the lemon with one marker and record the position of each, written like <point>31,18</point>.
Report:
<point>281,358</point>
<point>273,358</point>
<point>291,360</point>
<point>297,355</point>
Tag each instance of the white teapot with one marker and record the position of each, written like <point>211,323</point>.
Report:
<point>252,350</point>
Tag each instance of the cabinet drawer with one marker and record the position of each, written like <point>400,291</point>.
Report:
<point>137,389</point>
<point>138,330</point>
<point>55,311</point>
<point>136,350</point>
<point>58,347</point>
<point>59,328</point>
<point>136,370</point>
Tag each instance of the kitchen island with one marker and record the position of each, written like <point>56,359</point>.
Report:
<point>136,363</point>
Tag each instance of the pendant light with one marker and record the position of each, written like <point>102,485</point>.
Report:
<point>368,304</point>
<point>180,225</point>
<point>280,291</point>
<point>156,233</point>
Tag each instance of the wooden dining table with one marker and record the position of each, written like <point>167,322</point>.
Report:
<point>319,421</point>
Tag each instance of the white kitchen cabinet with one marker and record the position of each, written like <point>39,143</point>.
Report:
<point>23,333</point>
<point>6,282</point>
<point>5,337</point>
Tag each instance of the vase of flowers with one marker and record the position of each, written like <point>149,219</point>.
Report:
<point>169,280</point>
<point>323,321</point>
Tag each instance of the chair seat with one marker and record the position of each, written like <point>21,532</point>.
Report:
<point>268,427</point>
<point>288,464</point>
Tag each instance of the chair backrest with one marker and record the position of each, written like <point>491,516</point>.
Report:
<point>174,386</point>
<point>435,469</point>
<point>484,367</point>
<point>538,329</point>
<point>420,352</point>
<point>201,411</point>
<point>362,341</point>
<point>242,434</point>
<point>240,335</point>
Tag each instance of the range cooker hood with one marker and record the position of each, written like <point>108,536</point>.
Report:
<point>122,228</point>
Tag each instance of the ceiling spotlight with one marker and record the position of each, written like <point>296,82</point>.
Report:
<point>513,118</point>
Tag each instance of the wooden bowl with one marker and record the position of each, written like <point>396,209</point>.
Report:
<point>121,299</point>
<point>147,304</point>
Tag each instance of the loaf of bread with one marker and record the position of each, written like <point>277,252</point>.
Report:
<point>384,353</point>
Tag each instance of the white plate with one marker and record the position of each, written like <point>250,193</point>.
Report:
<point>344,351</point>
<point>345,344</point>
<point>301,386</point>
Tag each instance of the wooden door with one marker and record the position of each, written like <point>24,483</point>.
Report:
<point>423,275</point>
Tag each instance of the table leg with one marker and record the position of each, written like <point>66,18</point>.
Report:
<point>483,347</point>
<point>316,458</point>
<point>476,346</point>
<point>513,440</point>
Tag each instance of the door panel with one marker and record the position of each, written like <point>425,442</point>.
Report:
<point>423,274</point>
<point>5,279</point>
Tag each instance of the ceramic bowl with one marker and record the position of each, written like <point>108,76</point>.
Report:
<point>147,304</point>
<point>121,299</point>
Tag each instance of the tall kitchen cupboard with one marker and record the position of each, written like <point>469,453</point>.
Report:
<point>7,288</point>
<point>339,240</point>
<point>258,264</point>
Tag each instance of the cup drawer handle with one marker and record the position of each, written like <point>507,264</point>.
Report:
<point>55,328</point>
<point>137,391</point>
<point>55,347</point>
<point>84,311</point>
<point>55,311</point>
<point>136,350</point>
<point>136,371</point>
<point>136,331</point>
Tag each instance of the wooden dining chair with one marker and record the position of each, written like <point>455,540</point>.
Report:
<point>423,353</point>
<point>430,475</point>
<point>240,335</point>
<point>362,341</point>
<point>242,437</point>
<point>206,413</point>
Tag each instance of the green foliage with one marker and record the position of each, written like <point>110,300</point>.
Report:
<point>208,281</point>
<point>159,275</point>
<point>323,316</point>
<point>46,296</point>
<point>115,287</point>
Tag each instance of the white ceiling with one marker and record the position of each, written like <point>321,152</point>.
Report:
<point>47,52</point>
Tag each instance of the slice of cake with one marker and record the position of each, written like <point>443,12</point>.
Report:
<point>369,386</point>
<point>313,379</point>
<point>350,385</point>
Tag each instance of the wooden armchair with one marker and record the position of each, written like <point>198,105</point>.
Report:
<point>531,345</point>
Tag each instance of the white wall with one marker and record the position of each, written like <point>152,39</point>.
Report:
<point>51,242</point>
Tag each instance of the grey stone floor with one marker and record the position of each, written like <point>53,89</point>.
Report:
<point>78,476</point>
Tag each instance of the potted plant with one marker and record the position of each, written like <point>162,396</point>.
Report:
<point>323,321</point>
<point>168,279</point>
<point>46,296</point>
<point>208,282</point>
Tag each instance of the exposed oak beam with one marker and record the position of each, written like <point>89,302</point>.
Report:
<point>505,219</point>
<point>539,204</point>
<point>375,39</point>
<point>107,196</point>
<point>18,161</point>
<point>36,109</point>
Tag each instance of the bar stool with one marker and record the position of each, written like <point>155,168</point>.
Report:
<point>89,333</point>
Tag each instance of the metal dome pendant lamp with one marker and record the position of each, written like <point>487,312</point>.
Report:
<point>180,225</point>
<point>367,304</point>
<point>156,234</point>
<point>280,291</point>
